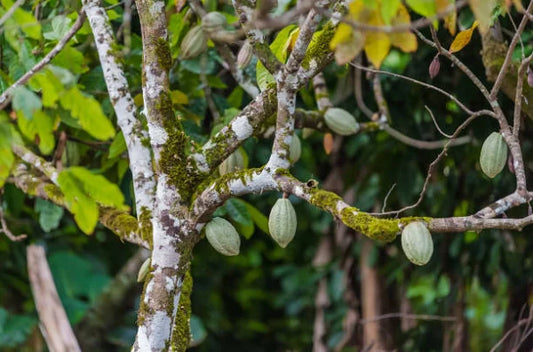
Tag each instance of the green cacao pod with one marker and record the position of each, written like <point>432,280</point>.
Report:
<point>295,149</point>
<point>213,21</point>
<point>194,43</point>
<point>341,121</point>
<point>235,161</point>
<point>223,237</point>
<point>417,243</point>
<point>493,155</point>
<point>282,222</point>
<point>143,270</point>
<point>245,55</point>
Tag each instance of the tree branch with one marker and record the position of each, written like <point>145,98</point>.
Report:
<point>127,118</point>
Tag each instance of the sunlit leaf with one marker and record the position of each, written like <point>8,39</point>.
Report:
<point>462,38</point>
<point>450,20</point>
<point>377,46</point>
<point>425,8</point>
<point>389,9</point>
<point>482,9</point>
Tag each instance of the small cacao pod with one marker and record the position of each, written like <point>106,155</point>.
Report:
<point>223,237</point>
<point>434,67</point>
<point>143,270</point>
<point>282,222</point>
<point>235,161</point>
<point>194,43</point>
<point>295,149</point>
<point>245,55</point>
<point>493,155</point>
<point>213,21</point>
<point>341,121</point>
<point>417,243</point>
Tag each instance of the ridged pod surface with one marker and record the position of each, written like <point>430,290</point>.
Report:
<point>417,243</point>
<point>213,21</point>
<point>282,222</point>
<point>234,162</point>
<point>493,155</point>
<point>245,55</point>
<point>341,121</point>
<point>193,44</point>
<point>295,149</point>
<point>223,237</point>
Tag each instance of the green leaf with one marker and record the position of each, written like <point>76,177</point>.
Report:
<point>258,218</point>
<point>98,188</point>
<point>238,212</point>
<point>279,47</point>
<point>49,214</point>
<point>26,101</point>
<point>89,114</point>
<point>60,26</point>
<point>40,130</point>
<point>118,146</point>
<point>425,8</point>
<point>389,9</point>
<point>71,59</point>
<point>14,329</point>
<point>24,20</point>
<point>49,85</point>
<point>6,156</point>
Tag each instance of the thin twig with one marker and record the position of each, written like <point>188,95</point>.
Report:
<point>408,316</point>
<point>6,230</point>
<point>435,122</point>
<point>9,12</point>
<point>6,96</point>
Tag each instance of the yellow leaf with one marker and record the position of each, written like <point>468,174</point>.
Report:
<point>292,38</point>
<point>482,9</point>
<point>347,51</point>
<point>342,34</point>
<point>178,97</point>
<point>450,21</point>
<point>462,38</point>
<point>377,46</point>
<point>406,41</point>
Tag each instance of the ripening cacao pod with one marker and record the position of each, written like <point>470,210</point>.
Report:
<point>245,55</point>
<point>234,162</point>
<point>223,237</point>
<point>493,155</point>
<point>434,67</point>
<point>143,270</point>
<point>417,243</point>
<point>295,149</point>
<point>194,43</point>
<point>282,222</point>
<point>341,121</point>
<point>213,22</point>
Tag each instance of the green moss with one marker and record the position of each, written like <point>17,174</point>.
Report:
<point>52,191</point>
<point>384,230</point>
<point>145,225</point>
<point>181,333</point>
<point>162,51</point>
<point>116,52</point>
<point>324,199</point>
<point>319,46</point>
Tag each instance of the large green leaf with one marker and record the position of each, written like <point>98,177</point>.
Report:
<point>98,187</point>
<point>6,156</point>
<point>39,129</point>
<point>88,112</point>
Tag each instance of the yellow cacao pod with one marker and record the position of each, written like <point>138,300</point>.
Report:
<point>417,243</point>
<point>282,222</point>
<point>295,149</point>
<point>493,155</point>
<point>235,161</point>
<point>193,44</point>
<point>223,237</point>
<point>341,121</point>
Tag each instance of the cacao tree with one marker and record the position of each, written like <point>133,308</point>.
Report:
<point>147,118</point>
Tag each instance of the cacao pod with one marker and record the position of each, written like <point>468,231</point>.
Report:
<point>417,243</point>
<point>235,161</point>
<point>282,222</point>
<point>245,55</point>
<point>295,149</point>
<point>193,44</point>
<point>341,121</point>
<point>493,155</point>
<point>434,67</point>
<point>213,21</point>
<point>143,270</point>
<point>223,237</point>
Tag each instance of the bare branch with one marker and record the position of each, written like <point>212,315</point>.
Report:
<point>54,322</point>
<point>5,228</point>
